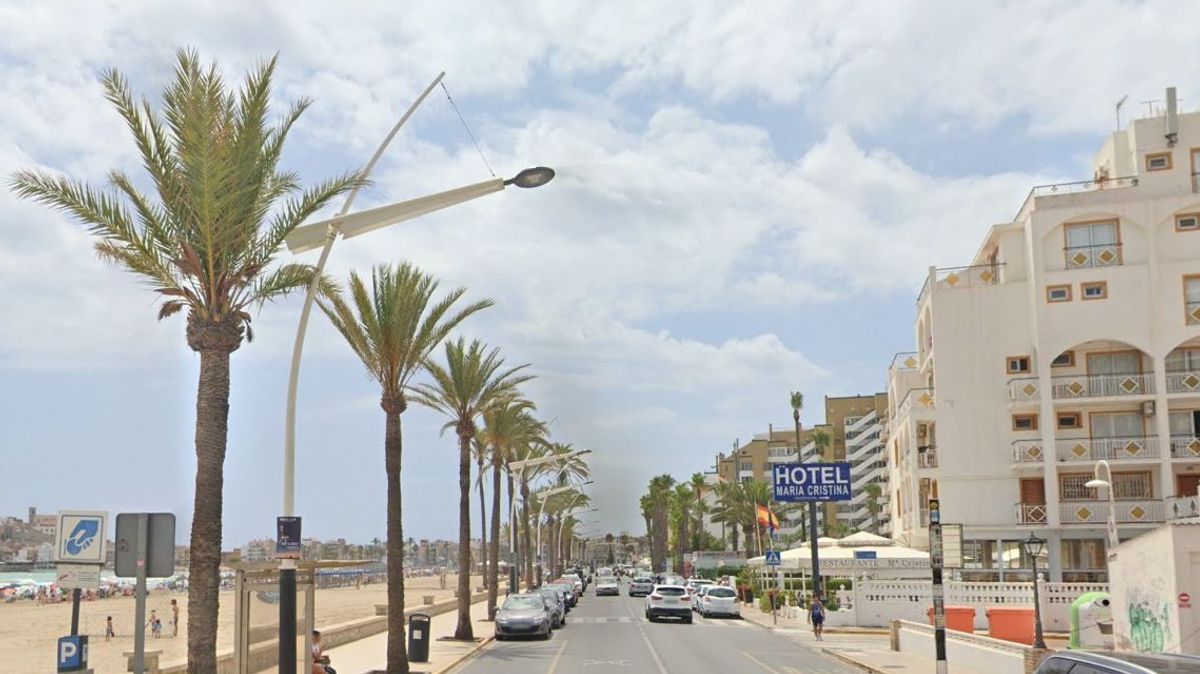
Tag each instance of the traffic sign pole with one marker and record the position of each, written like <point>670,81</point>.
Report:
<point>937,560</point>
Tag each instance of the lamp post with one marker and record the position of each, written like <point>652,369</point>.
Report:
<point>544,495</point>
<point>519,468</point>
<point>563,525</point>
<point>321,235</point>
<point>1034,547</point>
<point>1095,483</point>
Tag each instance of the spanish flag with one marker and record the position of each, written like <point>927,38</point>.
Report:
<point>766,517</point>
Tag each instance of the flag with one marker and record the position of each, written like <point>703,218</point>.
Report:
<point>766,517</point>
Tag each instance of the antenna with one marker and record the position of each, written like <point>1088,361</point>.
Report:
<point>1119,104</point>
<point>1172,126</point>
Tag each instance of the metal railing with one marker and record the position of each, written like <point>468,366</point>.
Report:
<point>1028,451</point>
<point>1179,507</point>
<point>905,360</point>
<point>1099,255</point>
<point>1024,389</point>
<point>1096,512</point>
<point>1031,513</point>
<point>922,397</point>
<point>1185,447</point>
<point>962,277</point>
<point>1183,381</point>
<point>1109,449</point>
<point>1074,188</point>
<point>927,459</point>
<point>1102,385</point>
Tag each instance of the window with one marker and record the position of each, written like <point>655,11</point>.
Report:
<point>1116,425</point>
<point>979,554</point>
<point>1115,362</point>
<point>746,465</point>
<point>1187,222</point>
<point>1184,423</point>
<point>1018,364</point>
<point>1095,290</point>
<point>1060,293</point>
<point>1084,554</point>
<point>1158,161</point>
<point>1191,299</point>
<point>1092,244</point>
<point>1131,485</point>
<point>1183,360</point>
<point>1070,420</point>
<point>1064,359</point>
<point>1071,487</point>
<point>1126,486</point>
<point>1024,422</point>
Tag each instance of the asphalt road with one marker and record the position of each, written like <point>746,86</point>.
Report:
<point>610,634</point>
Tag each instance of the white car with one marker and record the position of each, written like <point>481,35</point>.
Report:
<point>719,600</point>
<point>669,601</point>
<point>641,586</point>
<point>695,584</point>
<point>607,585</point>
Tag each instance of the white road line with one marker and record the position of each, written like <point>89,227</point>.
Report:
<point>649,646</point>
<point>557,656</point>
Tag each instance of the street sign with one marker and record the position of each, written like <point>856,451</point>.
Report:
<point>952,546</point>
<point>866,554</point>
<point>80,537</point>
<point>773,558</point>
<point>935,511</point>
<point>804,482</point>
<point>78,576</point>
<point>160,545</point>
<point>287,539</point>
<point>72,653</point>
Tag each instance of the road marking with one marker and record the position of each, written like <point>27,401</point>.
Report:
<point>641,630</point>
<point>614,663</point>
<point>557,657</point>
<point>760,663</point>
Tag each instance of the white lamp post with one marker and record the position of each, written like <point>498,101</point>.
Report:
<point>517,470</point>
<point>1095,483</point>
<point>545,494</point>
<point>563,525</point>
<point>321,235</point>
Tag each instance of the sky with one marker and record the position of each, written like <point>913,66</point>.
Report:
<point>748,196</point>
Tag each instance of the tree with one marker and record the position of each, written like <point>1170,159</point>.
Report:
<point>822,439</point>
<point>208,244</point>
<point>796,399</point>
<point>393,327</point>
<point>874,493</point>
<point>700,508</point>
<point>682,497</point>
<point>659,502</point>
<point>473,379</point>
<point>479,452</point>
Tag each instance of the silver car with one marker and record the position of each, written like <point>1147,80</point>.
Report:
<point>523,615</point>
<point>641,586</point>
<point>608,585</point>
<point>556,604</point>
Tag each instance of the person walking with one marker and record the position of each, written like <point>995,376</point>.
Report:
<point>816,616</point>
<point>109,632</point>
<point>174,618</point>
<point>155,624</point>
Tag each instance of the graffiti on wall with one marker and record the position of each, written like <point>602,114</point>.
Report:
<point>1149,621</point>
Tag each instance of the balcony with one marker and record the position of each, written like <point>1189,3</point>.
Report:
<point>1183,381</point>
<point>1179,507</point>
<point>783,455</point>
<point>1086,257</point>
<point>1109,449</point>
<point>1082,386</point>
<point>1185,447</point>
<point>1031,513</point>
<point>1096,512</point>
<point>962,277</point>
<point>1028,451</point>
<point>927,459</point>
<point>1075,188</point>
<point>921,398</point>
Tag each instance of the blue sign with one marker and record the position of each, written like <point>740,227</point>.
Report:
<point>865,554</point>
<point>812,481</point>
<point>72,653</point>
<point>80,537</point>
<point>287,542</point>
<point>773,558</point>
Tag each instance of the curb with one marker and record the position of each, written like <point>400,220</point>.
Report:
<point>460,659</point>
<point>847,660</point>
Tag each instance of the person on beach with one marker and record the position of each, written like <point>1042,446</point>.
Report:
<point>109,632</point>
<point>174,618</point>
<point>319,659</point>
<point>816,616</point>
<point>155,624</point>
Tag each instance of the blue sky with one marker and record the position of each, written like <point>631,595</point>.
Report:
<point>748,197</point>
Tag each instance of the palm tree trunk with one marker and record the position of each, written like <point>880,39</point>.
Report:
<point>494,561</point>
<point>204,567</point>
<point>397,655</point>
<point>525,534</point>
<point>483,537</point>
<point>463,629</point>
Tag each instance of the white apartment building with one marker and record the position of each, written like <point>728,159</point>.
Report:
<point>868,465</point>
<point>1072,336</point>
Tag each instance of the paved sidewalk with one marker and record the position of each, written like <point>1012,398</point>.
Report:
<point>370,654</point>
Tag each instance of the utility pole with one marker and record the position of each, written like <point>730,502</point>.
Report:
<point>936,560</point>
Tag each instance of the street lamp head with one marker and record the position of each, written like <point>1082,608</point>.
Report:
<point>1096,483</point>
<point>1034,546</point>
<point>532,177</point>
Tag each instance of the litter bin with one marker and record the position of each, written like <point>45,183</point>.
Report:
<point>418,638</point>
<point>1011,623</point>
<point>958,618</point>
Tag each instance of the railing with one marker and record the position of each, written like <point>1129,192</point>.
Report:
<point>1028,451</point>
<point>1102,385</point>
<point>1096,512</point>
<point>905,360</point>
<point>927,459</point>
<point>1179,507</point>
<point>1024,389</point>
<point>922,397</point>
<point>790,456</point>
<point>1075,187</point>
<point>1185,447</point>
<point>1183,381</point>
<point>962,277</point>
<point>1109,449</point>
<point>1031,513</point>
<point>1101,255</point>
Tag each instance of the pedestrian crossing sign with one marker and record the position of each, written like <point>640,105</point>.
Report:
<point>773,558</point>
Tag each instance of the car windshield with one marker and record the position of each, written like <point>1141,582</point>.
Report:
<point>670,591</point>
<point>521,603</point>
<point>643,580</point>
<point>719,592</point>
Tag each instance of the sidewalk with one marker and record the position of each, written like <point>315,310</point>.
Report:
<point>370,654</point>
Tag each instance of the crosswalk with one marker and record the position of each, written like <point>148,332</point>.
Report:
<point>732,623</point>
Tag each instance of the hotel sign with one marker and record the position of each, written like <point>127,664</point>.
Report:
<point>807,482</point>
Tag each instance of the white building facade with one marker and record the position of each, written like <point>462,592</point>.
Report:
<point>1073,336</point>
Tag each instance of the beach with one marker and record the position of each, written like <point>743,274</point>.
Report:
<point>29,632</point>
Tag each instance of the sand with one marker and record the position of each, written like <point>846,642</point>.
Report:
<point>29,633</point>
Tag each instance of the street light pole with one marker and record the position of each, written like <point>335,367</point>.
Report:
<point>1097,482</point>
<point>1034,547</point>
<point>542,508</point>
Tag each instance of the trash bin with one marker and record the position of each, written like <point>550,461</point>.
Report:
<point>418,638</point>
<point>1011,623</point>
<point>958,618</point>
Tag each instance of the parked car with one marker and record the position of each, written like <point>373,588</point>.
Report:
<point>717,600</point>
<point>607,585</point>
<point>670,601</point>
<point>556,604</point>
<point>640,586</point>
<point>523,614</point>
<point>576,584</point>
<point>695,584</point>
<point>1083,662</point>
<point>567,590</point>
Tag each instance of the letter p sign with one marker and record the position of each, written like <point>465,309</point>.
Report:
<point>72,653</point>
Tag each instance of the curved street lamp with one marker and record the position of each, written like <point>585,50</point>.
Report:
<point>1096,483</point>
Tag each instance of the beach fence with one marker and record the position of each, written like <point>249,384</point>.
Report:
<point>876,603</point>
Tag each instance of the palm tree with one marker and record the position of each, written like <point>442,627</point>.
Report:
<point>392,328</point>
<point>796,399</point>
<point>479,450</point>
<point>874,493</point>
<point>208,244</point>
<point>660,489</point>
<point>473,380</point>
<point>732,508</point>
<point>822,439</point>
<point>700,508</point>
<point>682,498</point>
<point>535,448</point>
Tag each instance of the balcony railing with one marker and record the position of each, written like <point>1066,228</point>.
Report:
<point>1096,512</point>
<point>1028,451</point>
<point>1099,255</point>
<point>905,360</point>
<point>1109,449</point>
<point>1183,381</point>
<point>1024,389</point>
<point>962,277</point>
<point>920,397</point>
<point>927,459</point>
<point>1179,507</point>
<point>1102,385</point>
<point>789,456</point>
<point>1075,187</point>
<point>1031,513</point>
<point>1185,447</point>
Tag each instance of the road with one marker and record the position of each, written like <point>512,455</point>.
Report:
<point>610,634</point>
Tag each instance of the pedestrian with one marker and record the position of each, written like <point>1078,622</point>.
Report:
<point>320,660</point>
<point>155,624</point>
<point>816,616</point>
<point>109,632</point>
<point>174,618</point>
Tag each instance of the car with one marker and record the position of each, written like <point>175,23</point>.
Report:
<point>556,604</point>
<point>695,584</point>
<point>523,614</point>
<point>640,586</point>
<point>669,601</point>
<point>698,596</point>
<point>567,590</point>
<point>575,582</point>
<point>1083,662</point>
<point>718,600</point>
<point>607,585</point>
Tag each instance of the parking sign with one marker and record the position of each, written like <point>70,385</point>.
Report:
<point>80,537</point>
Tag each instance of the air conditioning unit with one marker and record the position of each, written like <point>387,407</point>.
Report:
<point>1148,408</point>
<point>922,431</point>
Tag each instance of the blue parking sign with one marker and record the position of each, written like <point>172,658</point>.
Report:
<point>72,653</point>
<point>808,482</point>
